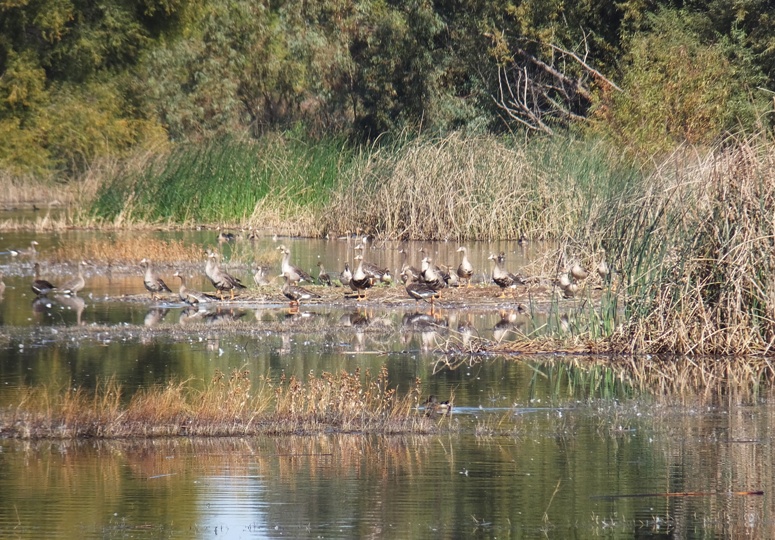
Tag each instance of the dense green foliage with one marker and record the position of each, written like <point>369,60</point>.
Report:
<point>222,181</point>
<point>80,81</point>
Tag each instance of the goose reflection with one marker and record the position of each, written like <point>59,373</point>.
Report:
<point>155,315</point>
<point>75,303</point>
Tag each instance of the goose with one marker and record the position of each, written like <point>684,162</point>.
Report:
<point>419,290</point>
<point>376,272</point>
<point>153,283</point>
<point>294,293</point>
<point>27,252</point>
<point>190,296</point>
<point>76,284</point>
<point>360,280</point>
<point>465,270</point>
<point>578,272</point>
<point>295,274</point>
<point>346,275</point>
<point>260,277</point>
<point>602,269</point>
<point>406,268</point>
<point>503,278</point>
<point>222,280</point>
<point>434,407</point>
<point>41,287</point>
<point>431,275</point>
<point>323,277</point>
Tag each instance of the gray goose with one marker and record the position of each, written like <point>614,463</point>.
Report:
<point>407,269</point>
<point>376,272</point>
<point>465,270</point>
<point>41,287</point>
<point>222,280</point>
<point>295,274</point>
<point>431,275</point>
<point>76,284</point>
<point>294,293</point>
<point>190,296</point>
<point>153,283</point>
<point>503,278</point>
<point>346,275</point>
<point>260,278</point>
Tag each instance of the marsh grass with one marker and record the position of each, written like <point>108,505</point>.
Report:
<point>126,249</point>
<point>229,405</point>
<point>270,183</point>
<point>479,188</point>
<point>695,254</point>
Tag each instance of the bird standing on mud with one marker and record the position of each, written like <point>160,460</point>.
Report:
<point>503,278</point>
<point>221,280</point>
<point>294,293</point>
<point>153,283</point>
<point>465,270</point>
<point>295,274</point>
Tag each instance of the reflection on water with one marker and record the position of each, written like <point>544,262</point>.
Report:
<point>535,449</point>
<point>574,474</point>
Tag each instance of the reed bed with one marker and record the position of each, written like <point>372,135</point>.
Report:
<point>127,250</point>
<point>463,187</point>
<point>229,405</point>
<point>695,254</point>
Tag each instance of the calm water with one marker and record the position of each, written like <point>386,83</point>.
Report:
<point>578,460</point>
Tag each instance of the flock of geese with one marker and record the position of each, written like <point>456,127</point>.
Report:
<point>421,284</point>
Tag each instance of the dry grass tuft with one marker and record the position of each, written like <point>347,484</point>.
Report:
<point>226,406</point>
<point>128,249</point>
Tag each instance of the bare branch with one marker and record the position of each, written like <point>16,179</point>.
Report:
<point>586,66</point>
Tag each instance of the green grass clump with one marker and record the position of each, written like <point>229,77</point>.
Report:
<point>224,181</point>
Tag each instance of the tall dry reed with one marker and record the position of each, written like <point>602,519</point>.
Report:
<point>463,187</point>
<point>695,250</point>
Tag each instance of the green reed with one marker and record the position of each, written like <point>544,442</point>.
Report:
<point>224,181</point>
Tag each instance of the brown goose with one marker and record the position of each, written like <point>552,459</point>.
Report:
<point>294,293</point>
<point>578,272</point>
<point>602,269</point>
<point>27,252</point>
<point>501,276</point>
<point>360,280</point>
<point>323,277</point>
<point>76,284</point>
<point>41,287</point>
<point>295,274</point>
<point>190,296</point>
<point>465,270</point>
<point>222,280</point>
<point>419,290</point>
<point>153,283</point>
<point>450,278</point>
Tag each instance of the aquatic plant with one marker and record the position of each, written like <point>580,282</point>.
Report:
<point>229,405</point>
